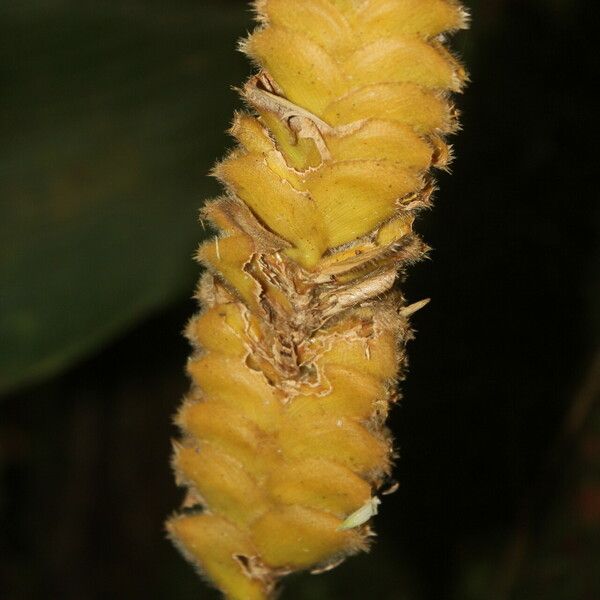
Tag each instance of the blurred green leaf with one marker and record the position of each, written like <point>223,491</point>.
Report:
<point>111,115</point>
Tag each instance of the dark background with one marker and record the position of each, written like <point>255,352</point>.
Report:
<point>111,113</point>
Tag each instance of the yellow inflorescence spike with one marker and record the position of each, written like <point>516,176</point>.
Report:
<point>300,344</point>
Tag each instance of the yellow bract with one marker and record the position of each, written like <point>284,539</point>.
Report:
<point>308,75</point>
<point>230,384</point>
<point>298,537</point>
<point>399,60</point>
<point>337,439</point>
<point>334,32</point>
<point>427,18</point>
<point>376,139</point>
<point>300,343</point>
<point>222,483</point>
<point>344,393</point>
<point>404,102</point>
<point>320,484</point>
<point>354,196</point>
<point>221,329</point>
<point>231,433</point>
<point>214,543</point>
<point>282,208</point>
<point>228,255</point>
<point>300,153</point>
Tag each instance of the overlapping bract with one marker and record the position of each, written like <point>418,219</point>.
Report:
<point>298,349</point>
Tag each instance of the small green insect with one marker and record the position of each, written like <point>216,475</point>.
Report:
<point>362,515</point>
